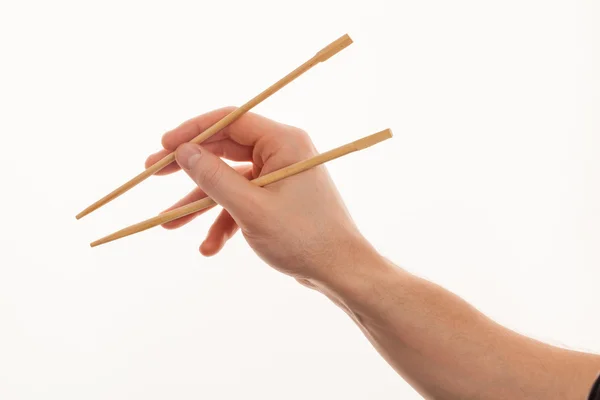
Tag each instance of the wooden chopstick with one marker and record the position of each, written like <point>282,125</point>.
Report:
<point>260,181</point>
<point>323,55</point>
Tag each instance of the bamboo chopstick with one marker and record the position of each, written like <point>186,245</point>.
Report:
<point>272,177</point>
<point>323,55</point>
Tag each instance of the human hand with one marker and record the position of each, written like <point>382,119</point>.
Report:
<point>299,225</point>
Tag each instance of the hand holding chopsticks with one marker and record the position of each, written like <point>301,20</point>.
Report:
<point>267,179</point>
<point>220,125</point>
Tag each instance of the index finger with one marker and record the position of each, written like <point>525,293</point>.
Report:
<point>246,130</point>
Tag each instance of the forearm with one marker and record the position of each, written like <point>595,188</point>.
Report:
<point>444,347</point>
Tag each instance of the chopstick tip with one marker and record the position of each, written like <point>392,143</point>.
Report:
<point>83,213</point>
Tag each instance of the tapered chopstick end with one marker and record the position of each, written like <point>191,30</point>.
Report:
<point>96,243</point>
<point>104,240</point>
<point>90,209</point>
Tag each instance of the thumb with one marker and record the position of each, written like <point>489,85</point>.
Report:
<point>218,180</point>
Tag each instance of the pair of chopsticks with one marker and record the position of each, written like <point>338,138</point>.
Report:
<point>323,55</point>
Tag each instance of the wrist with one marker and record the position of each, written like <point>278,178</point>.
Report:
<point>356,276</point>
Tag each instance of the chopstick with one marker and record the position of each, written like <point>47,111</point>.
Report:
<point>272,177</point>
<point>321,56</point>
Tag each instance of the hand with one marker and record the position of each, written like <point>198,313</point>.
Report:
<point>299,225</point>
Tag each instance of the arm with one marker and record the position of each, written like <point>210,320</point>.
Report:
<point>445,348</point>
<point>299,226</point>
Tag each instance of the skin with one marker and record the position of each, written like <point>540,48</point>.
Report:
<point>441,345</point>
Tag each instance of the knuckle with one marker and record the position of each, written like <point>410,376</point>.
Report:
<point>303,141</point>
<point>302,136</point>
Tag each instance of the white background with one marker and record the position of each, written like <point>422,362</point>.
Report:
<point>490,186</point>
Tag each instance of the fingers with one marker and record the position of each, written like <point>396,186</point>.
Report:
<point>246,130</point>
<point>193,127</point>
<point>156,157</point>
<point>225,148</point>
<point>221,230</point>
<point>198,194</point>
<point>194,195</point>
<point>219,181</point>
<point>250,137</point>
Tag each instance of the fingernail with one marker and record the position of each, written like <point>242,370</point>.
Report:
<point>187,155</point>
